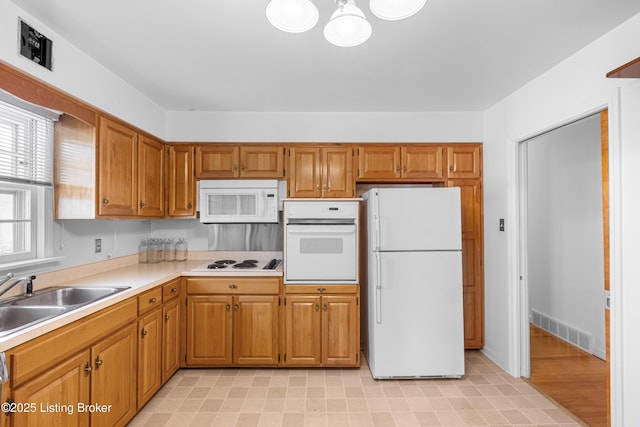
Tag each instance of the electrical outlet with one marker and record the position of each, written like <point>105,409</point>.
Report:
<point>98,246</point>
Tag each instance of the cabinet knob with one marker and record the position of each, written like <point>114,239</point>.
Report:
<point>235,168</point>
<point>105,201</point>
<point>322,289</point>
<point>189,205</point>
<point>397,168</point>
<point>242,167</point>
<point>451,168</point>
<point>317,187</point>
<point>325,307</point>
<point>142,204</point>
<point>153,300</point>
<point>174,290</point>
<point>228,307</point>
<point>233,286</point>
<point>317,307</point>
<point>87,369</point>
<point>144,333</point>
<point>166,317</point>
<point>236,307</point>
<point>98,362</point>
<point>404,168</point>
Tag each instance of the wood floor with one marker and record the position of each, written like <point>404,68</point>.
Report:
<point>573,378</point>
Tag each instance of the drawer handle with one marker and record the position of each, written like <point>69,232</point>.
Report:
<point>98,362</point>
<point>233,286</point>
<point>174,290</point>
<point>87,369</point>
<point>153,301</point>
<point>322,289</point>
<point>144,333</point>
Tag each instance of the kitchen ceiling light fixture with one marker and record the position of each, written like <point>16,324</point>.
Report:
<point>347,26</point>
<point>292,16</point>
<point>392,10</point>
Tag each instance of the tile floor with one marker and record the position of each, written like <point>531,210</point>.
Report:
<point>486,396</point>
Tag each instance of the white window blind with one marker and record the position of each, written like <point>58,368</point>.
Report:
<point>26,146</point>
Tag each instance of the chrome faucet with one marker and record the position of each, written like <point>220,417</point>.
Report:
<point>28,280</point>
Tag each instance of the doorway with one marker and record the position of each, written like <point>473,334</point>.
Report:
<point>565,229</point>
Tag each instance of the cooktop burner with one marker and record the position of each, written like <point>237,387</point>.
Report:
<point>245,265</point>
<point>250,261</point>
<point>225,261</point>
<point>216,266</point>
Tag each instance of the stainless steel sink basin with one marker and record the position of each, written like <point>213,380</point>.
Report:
<point>23,311</point>
<point>67,296</point>
<point>14,318</point>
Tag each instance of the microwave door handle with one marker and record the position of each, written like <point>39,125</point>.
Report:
<point>378,294</point>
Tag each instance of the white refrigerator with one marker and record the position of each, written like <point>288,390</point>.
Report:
<point>414,282</point>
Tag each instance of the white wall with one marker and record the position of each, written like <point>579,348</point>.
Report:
<point>565,261</point>
<point>324,127</point>
<point>78,74</point>
<point>572,89</point>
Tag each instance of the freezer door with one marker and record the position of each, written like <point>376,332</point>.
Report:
<point>416,219</point>
<point>415,315</point>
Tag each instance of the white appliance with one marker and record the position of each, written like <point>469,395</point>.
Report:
<point>241,263</point>
<point>414,282</point>
<point>238,201</point>
<point>320,241</point>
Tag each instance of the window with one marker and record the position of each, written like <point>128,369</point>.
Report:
<point>26,142</point>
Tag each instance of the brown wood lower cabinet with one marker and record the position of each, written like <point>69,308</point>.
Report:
<point>170,339</point>
<point>322,330</point>
<point>149,355</point>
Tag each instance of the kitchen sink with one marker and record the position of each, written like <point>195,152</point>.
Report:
<point>23,311</point>
<point>14,318</point>
<point>69,297</point>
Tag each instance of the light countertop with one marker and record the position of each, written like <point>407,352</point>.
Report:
<point>139,278</point>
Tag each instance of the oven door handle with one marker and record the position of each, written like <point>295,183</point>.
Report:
<point>324,230</point>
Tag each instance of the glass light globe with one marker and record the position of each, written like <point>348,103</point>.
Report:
<point>392,10</point>
<point>292,16</point>
<point>348,26</point>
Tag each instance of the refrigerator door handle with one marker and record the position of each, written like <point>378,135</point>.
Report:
<point>376,223</point>
<point>378,295</point>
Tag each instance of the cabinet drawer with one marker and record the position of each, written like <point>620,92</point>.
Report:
<point>321,289</point>
<point>149,300</point>
<point>233,285</point>
<point>170,290</point>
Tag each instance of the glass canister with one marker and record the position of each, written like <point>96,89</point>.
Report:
<point>181,249</point>
<point>143,251</point>
<point>155,251</point>
<point>169,250</point>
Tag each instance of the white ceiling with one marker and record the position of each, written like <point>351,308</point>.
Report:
<point>454,55</point>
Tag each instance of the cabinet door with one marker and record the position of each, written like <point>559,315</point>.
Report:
<point>378,162</point>
<point>149,356</point>
<point>340,330</point>
<point>150,177</point>
<point>182,183</point>
<point>170,339</point>
<point>113,379</point>
<point>262,161</point>
<point>56,394</point>
<point>255,330</point>
<point>117,169</point>
<point>216,161</point>
<point>337,172</point>
<point>209,332</point>
<point>305,172</point>
<point>472,255</point>
<point>422,162</point>
<point>303,332</point>
<point>464,161</point>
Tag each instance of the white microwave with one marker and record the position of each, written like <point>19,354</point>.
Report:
<point>238,201</point>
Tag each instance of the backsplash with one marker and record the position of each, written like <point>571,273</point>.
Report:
<point>245,237</point>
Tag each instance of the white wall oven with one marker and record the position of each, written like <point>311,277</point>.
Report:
<point>320,242</point>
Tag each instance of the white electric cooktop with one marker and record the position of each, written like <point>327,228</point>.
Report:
<point>242,263</point>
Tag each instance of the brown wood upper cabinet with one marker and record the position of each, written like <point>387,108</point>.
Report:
<point>380,162</point>
<point>181,181</point>
<point>234,161</point>
<point>130,172</point>
<point>321,171</point>
<point>464,161</point>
